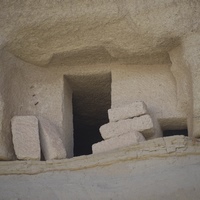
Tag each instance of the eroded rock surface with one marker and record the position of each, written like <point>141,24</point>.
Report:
<point>39,31</point>
<point>157,148</point>
<point>129,173</point>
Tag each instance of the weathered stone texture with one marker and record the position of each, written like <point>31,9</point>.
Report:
<point>190,56</point>
<point>131,138</point>
<point>135,109</point>
<point>121,28</point>
<point>26,137</point>
<point>155,85</point>
<point>51,142</point>
<point>121,174</point>
<point>142,124</point>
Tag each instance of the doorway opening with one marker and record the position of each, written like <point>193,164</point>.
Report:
<point>91,99</point>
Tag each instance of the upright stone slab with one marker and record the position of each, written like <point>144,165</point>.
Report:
<point>142,124</point>
<point>135,109</point>
<point>25,134</point>
<point>51,142</point>
<point>124,140</point>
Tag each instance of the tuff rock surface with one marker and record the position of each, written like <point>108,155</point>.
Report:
<point>120,174</point>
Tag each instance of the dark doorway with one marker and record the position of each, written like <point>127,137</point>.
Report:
<point>91,101</point>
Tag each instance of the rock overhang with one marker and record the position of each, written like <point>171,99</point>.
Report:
<point>37,32</point>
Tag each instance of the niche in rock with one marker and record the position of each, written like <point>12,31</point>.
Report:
<point>167,133</point>
<point>91,99</point>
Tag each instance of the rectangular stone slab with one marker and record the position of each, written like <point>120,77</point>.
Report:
<point>124,140</point>
<point>51,142</point>
<point>135,109</point>
<point>142,124</point>
<point>25,135</point>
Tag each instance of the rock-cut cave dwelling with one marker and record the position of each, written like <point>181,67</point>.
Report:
<point>99,99</point>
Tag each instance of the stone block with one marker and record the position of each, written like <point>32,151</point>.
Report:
<point>51,142</point>
<point>131,138</point>
<point>142,124</point>
<point>25,135</point>
<point>135,109</point>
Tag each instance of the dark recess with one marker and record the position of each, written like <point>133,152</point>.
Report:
<point>84,137</point>
<point>91,101</point>
<point>167,133</point>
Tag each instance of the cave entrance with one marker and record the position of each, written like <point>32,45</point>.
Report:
<point>91,100</point>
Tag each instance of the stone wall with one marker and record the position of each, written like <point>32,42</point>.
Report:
<point>153,84</point>
<point>30,90</point>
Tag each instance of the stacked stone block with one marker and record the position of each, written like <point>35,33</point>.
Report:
<point>119,141</point>
<point>135,109</point>
<point>128,125</point>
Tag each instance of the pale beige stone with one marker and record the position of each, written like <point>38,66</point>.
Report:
<point>156,86</point>
<point>185,67</point>
<point>73,27</point>
<point>135,109</point>
<point>26,137</point>
<point>131,39</point>
<point>51,142</point>
<point>99,176</point>
<point>142,124</point>
<point>190,56</point>
<point>175,142</point>
<point>133,47</point>
<point>128,139</point>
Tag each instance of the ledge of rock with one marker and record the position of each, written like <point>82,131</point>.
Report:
<point>175,146</point>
